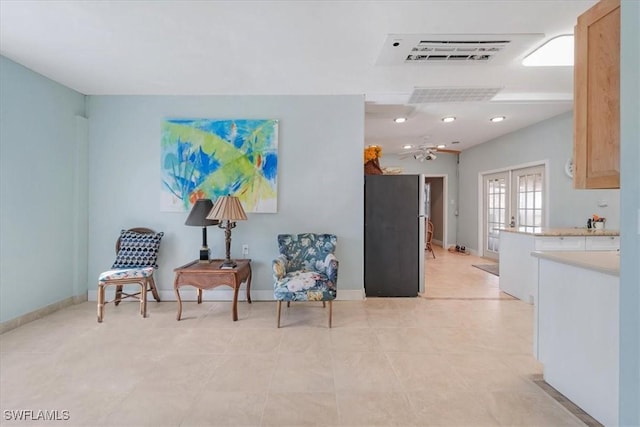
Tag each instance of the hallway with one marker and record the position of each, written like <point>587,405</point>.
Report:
<point>451,275</point>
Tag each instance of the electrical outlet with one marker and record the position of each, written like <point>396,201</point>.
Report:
<point>245,249</point>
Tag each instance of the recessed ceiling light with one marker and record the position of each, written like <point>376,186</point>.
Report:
<point>408,146</point>
<point>400,119</point>
<point>497,119</point>
<point>441,146</point>
<point>555,52</point>
<point>448,119</point>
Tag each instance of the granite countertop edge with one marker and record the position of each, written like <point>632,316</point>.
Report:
<point>565,232</point>
<point>607,262</point>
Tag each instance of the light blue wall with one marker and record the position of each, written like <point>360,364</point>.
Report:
<point>320,180</point>
<point>445,164</point>
<point>43,208</point>
<point>550,140</point>
<point>630,214</point>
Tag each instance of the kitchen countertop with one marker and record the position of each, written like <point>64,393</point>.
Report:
<point>607,262</point>
<point>543,231</point>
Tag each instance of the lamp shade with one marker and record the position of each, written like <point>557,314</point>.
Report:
<point>198,215</point>
<point>227,208</point>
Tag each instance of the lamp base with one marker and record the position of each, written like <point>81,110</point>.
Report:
<point>204,255</point>
<point>228,264</point>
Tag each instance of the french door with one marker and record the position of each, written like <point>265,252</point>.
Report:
<point>495,211</point>
<point>513,198</point>
<point>527,198</point>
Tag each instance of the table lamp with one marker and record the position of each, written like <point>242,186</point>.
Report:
<point>227,209</point>
<point>198,217</point>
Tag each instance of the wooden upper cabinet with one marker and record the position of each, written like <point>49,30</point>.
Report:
<point>596,155</point>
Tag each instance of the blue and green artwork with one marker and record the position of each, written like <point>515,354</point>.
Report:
<point>204,158</point>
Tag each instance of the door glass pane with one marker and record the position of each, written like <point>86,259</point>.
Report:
<point>495,214</point>
<point>537,219</point>
<point>529,197</point>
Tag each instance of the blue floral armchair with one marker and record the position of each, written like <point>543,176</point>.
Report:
<point>306,269</point>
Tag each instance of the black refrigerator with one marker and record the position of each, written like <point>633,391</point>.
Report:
<point>394,235</point>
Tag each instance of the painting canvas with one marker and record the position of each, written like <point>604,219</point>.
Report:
<point>204,158</point>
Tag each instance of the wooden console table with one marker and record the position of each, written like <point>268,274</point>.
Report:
<point>210,275</point>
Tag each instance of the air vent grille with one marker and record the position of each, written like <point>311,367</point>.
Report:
<point>452,94</point>
<point>459,49</point>
<point>455,50</point>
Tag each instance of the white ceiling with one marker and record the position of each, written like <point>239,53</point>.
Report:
<point>305,47</point>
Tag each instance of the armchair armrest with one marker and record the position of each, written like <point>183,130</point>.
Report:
<point>331,267</point>
<point>279,266</point>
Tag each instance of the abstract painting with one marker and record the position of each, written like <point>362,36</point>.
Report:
<point>204,158</point>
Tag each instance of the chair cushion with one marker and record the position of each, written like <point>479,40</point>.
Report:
<point>128,273</point>
<point>306,251</point>
<point>305,286</point>
<point>137,250</point>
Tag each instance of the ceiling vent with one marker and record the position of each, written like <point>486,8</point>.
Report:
<point>452,50</point>
<point>455,48</point>
<point>424,95</point>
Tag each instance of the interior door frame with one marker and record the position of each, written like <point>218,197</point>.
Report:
<point>445,207</point>
<point>480,195</point>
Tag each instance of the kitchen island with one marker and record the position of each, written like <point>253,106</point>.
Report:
<point>577,334</point>
<point>519,271</point>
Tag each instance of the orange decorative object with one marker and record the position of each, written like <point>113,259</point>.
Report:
<point>372,154</point>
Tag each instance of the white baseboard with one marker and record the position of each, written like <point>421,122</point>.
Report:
<point>189,294</point>
<point>437,242</point>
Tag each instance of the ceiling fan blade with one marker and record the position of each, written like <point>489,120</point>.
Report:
<point>445,150</point>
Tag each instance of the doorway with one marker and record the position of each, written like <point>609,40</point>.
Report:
<point>495,211</point>
<point>436,207</point>
<point>515,197</point>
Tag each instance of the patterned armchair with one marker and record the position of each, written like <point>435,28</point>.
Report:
<point>305,270</point>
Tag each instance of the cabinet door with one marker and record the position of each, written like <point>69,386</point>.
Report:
<point>597,97</point>
<point>602,243</point>
<point>561,243</point>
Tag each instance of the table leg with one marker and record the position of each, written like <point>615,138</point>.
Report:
<point>199,293</point>
<point>236,289</point>
<point>249,286</point>
<point>179,304</point>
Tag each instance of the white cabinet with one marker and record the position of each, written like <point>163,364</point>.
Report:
<point>519,270</point>
<point>578,336</point>
<point>560,243</point>
<point>602,243</point>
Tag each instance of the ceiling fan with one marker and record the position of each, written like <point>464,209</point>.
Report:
<point>425,152</point>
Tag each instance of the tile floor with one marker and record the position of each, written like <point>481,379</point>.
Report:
<point>459,356</point>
